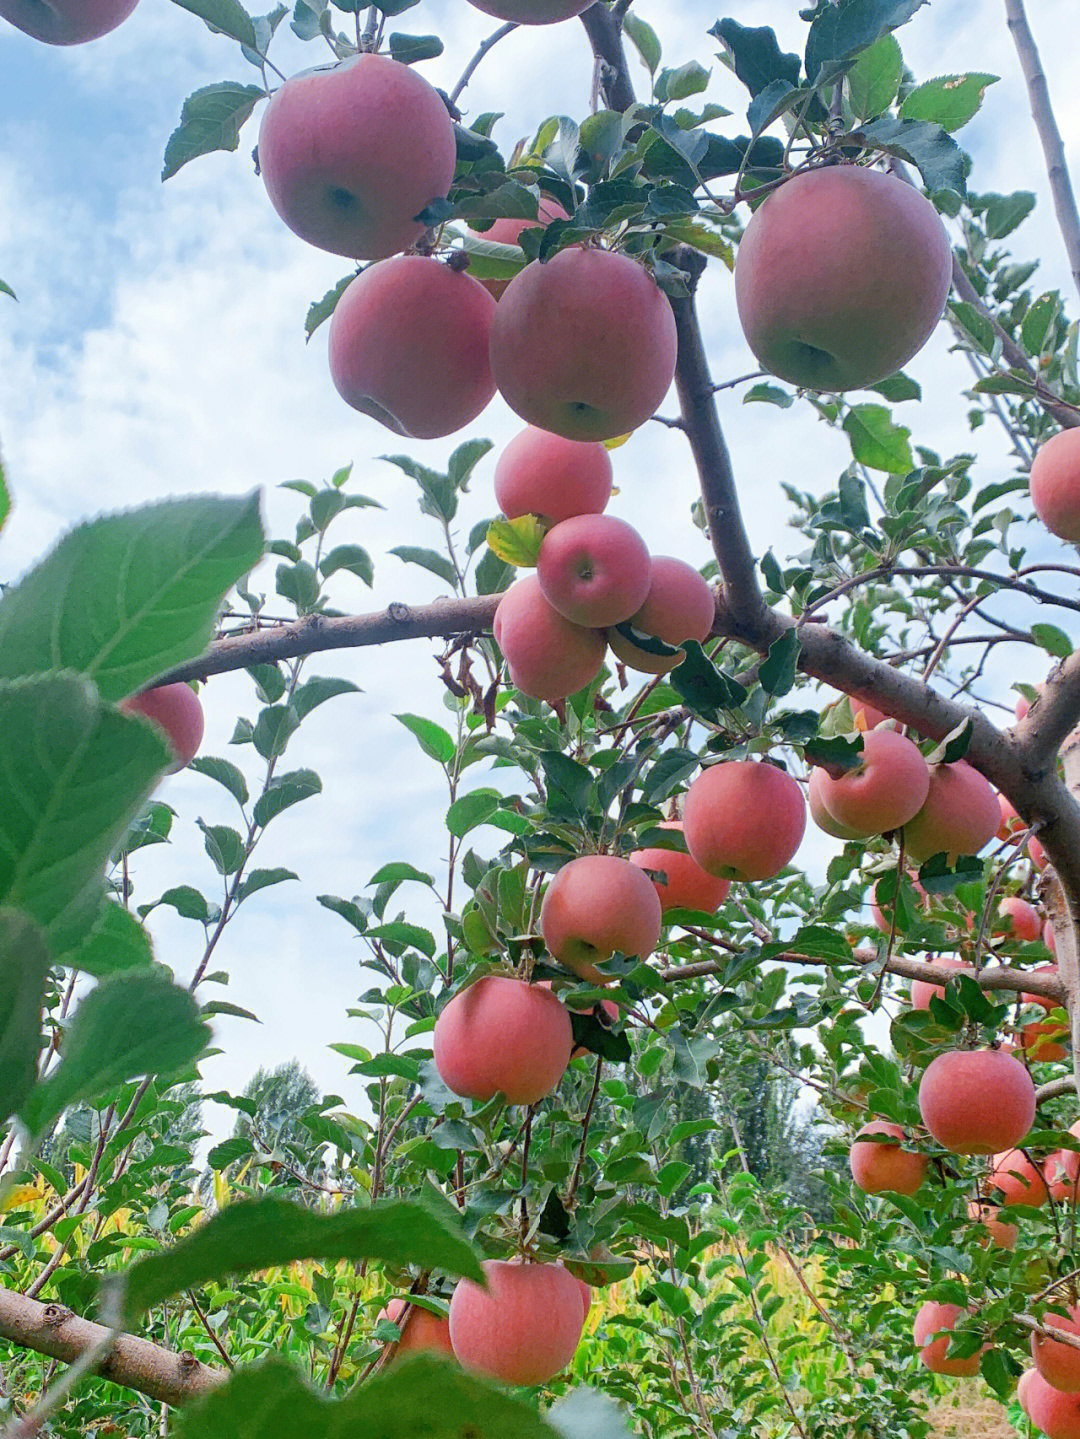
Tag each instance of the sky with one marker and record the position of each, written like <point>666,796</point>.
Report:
<point>157,348</point>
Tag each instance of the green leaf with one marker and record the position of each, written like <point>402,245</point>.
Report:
<point>1054,641</point>
<point>273,729</point>
<point>228,16</point>
<point>421,1396</point>
<point>1005,212</point>
<point>130,1025</point>
<point>490,259</point>
<point>843,30</point>
<point>950,100</point>
<point>210,119</point>
<point>73,776</point>
<point>24,963</point>
<point>434,740</point>
<point>319,311</point>
<point>229,1151</point>
<point>257,879</point>
<point>1037,323</point>
<point>224,847</point>
<point>778,671</point>
<point>704,687</point>
<point>931,149</point>
<point>853,507</point>
<point>123,598</point>
<point>465,459</point>
<point>318,690</point>
<point>187,901</point>
<point>285,791</point>
<point>428,560</point>
<point>117,942</point>
<point>875,78</point>
<point>876,441</point>
<point>470,811</point>
<point>224,772</point>
<point>644,40</point>
<point>5,497</point>
<point>398,873</point>
<point>755,55</point>
<point>263,1233</point>
<point>410,49</point>
<point>5,289</point>
<point>517,542</point>
<point>353,558</point>
<point>407,936</point>
<point>682,82</point>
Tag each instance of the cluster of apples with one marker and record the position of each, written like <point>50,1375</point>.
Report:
<point>66,22</point>
<point>595,583</point>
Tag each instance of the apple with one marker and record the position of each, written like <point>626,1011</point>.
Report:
<point>1019,919</point>
<point>744,819</point>
<point>66,22</point>
<point>597,905</point>
<point>679,606</point>
<point>1062,1171</point>
<point>977,1101</point>
<point>408,346</point>
<point>819,812</point>
<point>880,1166</point>
<point>997,1231</point>
<point>584,345</point>
<point>685,885</point>
<point>1055,1413</point>
<point>1059,1364</point>
<point>876,914</point>
<point>961,814</point>
<point>594,569</point>
<point>420,1330</point>
<point>1017,1179</point>
<point>922,990</point>
<point>532,12</point>
<point>547,475</point>
<point>503,1036</point>
<point>887,788</point>
<point>175,709</point>
<point>506,231</point>
<point>548,657</point>
<point>351,155</point>
<point>841,277</point>
<point>1011,823</point>
<point>930,1320</point>
<point>524,1327</point>
<point>1055,488</point>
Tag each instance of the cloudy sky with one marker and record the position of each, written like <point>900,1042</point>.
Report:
<point>157,348</point>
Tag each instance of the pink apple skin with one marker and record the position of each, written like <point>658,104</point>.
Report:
<point>522,1329</point>
<point>66,22</point>
<point>584,345</point>
<point>680,606</point>
<point>977,1101</point>
<point>176,710</point>
<point>1017,1180</point>
<point>922,991</point>
<point>932,1352</point>
<point>408,346</point>
<point>887,789</point>
<point>544,474</point>
<point>819,813</point>
<point>878,1166</point>
<point>548,656</point>
<point>503,1036</point>
<point>594,569</point>
<point>1055,492</point>
<point>685,884</point>
<point>1052,1411</point>
<point>531,12</point>
<point>1018,918</point>
<point>744,820</point>
<point>421,1330</point>
<point>1059,1364</point>
<point>961,814</point>
<point>508,232</point>
<point>841,277</point>
<point>350,156</point>
<point>595,906</point>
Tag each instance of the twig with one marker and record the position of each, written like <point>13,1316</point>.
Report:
<point>485,46</point>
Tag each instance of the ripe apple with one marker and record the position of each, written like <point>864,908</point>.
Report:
<point>595,906</point>
<point>931,1318</point>
<point>685,884</point>
<point>548,657</point>
<point>1059,1364</point>
<point>531,12</point>
<point>997,1231</point>
<point>420,1330</point>
<point>503,1036</point>
<point>524,1327</point>
<point>841,277</point>
<point>1062,1171</point>
<point>508,232</point>
<point>408,346</point>
<point>176,710</point>
<point>880,1166</point>
<point>819,812</point>
<point>922,990</point>
<point>1019,919</point>
<point>876,914</point>
<point>977,1101</point>
<point>961,814</point>
<point>1011,823</point>
<point>680,606</point>
<point>594,569</point>
<point>66,22</point>
<point>351,155</point>
<point>886,789</point>
<point>1017,1179</point>
<point>1055,488</point>
<point>744,820</point>
<point>584,345</point>
<point>1055,1413</point>
<point>547,475</point>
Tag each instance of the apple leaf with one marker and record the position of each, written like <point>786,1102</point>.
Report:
<point>263,1233</point>
<point>210,119</point>
<point>927,146</point>
<point>755,55</point>
<point>517,542</point>
<point>227,16</point>
<point>319,311</point>
<point>878,442</point>
<point>950,100</point>
<point>5,497</point>
<point>24,963</point>
<point>116,942</point>
<point>875,78</point>
<point>156,576</point>
<point>846,29</point>
<point>644,40</point>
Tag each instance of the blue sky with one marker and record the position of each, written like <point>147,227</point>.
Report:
<point>158,348</point>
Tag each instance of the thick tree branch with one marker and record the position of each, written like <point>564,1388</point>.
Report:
<point>55,1331</point>
<point>604,30</point>
<point>1049,135</point>
<point>1053,716</point>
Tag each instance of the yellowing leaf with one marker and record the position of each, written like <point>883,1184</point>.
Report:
<point>516,542</point>
<point>617,441</point>
<point>17,1196</point>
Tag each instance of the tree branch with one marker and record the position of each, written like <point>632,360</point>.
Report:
<point>1053,716</point>
<point>470,68</point>
<point>1049,135</point>
<point>136,1363</point>
<point>605,36</point>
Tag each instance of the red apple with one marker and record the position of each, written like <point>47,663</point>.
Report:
<point>922,990</point>
<point>1055,487</point>
<point>744,820</point>
<point>596,906</point>
<point>977,1101</point>
<point>879,1166</point>
<point>594,569</point>
<point>1062,1171</point>
<point>176,710</point>
<point>543,474</point>
<point>1059,1364</point>
<point>66,22</point>
<point>1019,919</point>
<point>421,1331</point>
<point>1055,1413</point>
<point>685,884</point>
<point>1017,1179</point>
<point>408,346</point>
<point>503,1036</point>
<point>841,277</point>
<point>819,811</point>
<point>886,789</point>
<point>351,155</point>
<point>531,12</point>
<point>548,657</point>
<point>961,814</point>
<point>932,1318</point>
<point>997,1231</point>
<point>680,606</point>
<point>584,345</point>
<point>508,232</point>
<point>523,1328</point>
